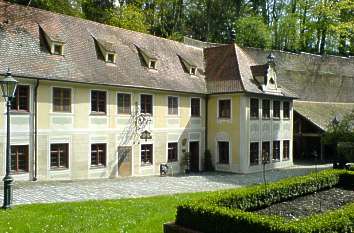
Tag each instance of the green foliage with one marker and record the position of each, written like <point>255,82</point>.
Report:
<point>128,17</point>
<point>226,211</point>
<point>252,32</point>
<point>342,131</point>
<point>208,163</point>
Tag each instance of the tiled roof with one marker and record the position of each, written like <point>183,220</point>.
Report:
<point>23,50</point>
<point>322,113</point>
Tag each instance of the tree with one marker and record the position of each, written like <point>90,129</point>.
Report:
<point>252,32</point>
<point>128,17</point>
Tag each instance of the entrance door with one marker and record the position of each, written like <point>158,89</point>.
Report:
<point>194,156</point>
<point>124,160</point>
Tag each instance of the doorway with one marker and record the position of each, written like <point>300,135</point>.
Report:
<point>194,156</point>
<point>124,160</point>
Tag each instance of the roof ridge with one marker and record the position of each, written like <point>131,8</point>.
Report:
<point>97,23</point>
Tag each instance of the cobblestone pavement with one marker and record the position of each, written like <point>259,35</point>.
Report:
<point>26,192</point>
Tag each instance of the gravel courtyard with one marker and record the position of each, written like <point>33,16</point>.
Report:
<point>26,192</point>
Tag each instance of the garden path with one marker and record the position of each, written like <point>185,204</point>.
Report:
<point>26,192</point>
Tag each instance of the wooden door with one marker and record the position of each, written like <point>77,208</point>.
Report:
<point>194,156</point>
<point>124,160</point>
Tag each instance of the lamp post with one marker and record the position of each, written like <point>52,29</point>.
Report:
<point>8,87</point>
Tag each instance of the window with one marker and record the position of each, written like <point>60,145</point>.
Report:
<point>276,151</point>
<point>254,108</point>
<point>286,110</point>
<point>286,146</point>
<point>146,104</point>
<point>19,159</point>
<point>110,57</point>
<point>123,103</point>
<point>195,107</point>
<point>172,105</point>
<point>58,49</point>
<point>98,155</point>
<point>98,102</point>
<point>59,156</point>
<point>61,99</point>
<point>224,108</point>
<point>265,109</point>
<point>266,152</point>
<point>146,154</point>
<point>152,65</point>
<point>223,151</point>
<point>254,152</point>
<point>172,152</point>
<point>21,100</point>
<point>193,71</point>
<point>276,109</point>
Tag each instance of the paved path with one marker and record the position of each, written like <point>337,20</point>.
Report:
<point>67,191</point>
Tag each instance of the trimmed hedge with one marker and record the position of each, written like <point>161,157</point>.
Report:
<point>228,211</point>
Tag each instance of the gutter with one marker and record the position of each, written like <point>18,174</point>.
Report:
<point>206,123</point>
<point>35,129</point>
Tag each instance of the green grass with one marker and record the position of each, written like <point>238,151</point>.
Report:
<point>125,215</point>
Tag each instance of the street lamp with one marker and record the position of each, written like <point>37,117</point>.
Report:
<point>8,87</point>
<point>271,58</point>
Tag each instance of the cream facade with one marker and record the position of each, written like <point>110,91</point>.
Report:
<point>80,128</point>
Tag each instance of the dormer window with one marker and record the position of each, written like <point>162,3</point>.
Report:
<point>106,50</point>
<point>54,39</point>
<point>152,65</point>
<point>188,65</point>
<point>148,57</point>
<point>193,71</point>
<point>110,58</point>
<point>57,49</point>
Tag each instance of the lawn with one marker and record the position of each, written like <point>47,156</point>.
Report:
<point>125,215</point>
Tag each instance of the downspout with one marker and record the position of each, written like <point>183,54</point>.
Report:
<point>206,123</point>
<point>35,97</point>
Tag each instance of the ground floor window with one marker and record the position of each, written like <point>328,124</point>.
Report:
<point>223,152</point>
<point>266,152</point>
<point>98,155</point>
<point>19,159</point>
<point>254,148</point>
<point>172,148</point>
<point>286,144</point>
<point>276,151</point>
<point>59,156</point>
<point>146,154</point>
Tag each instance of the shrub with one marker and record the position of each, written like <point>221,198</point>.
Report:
<point>227,211</point>
<point>208,163</point>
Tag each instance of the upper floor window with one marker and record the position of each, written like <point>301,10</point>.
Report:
<point>254,108</point>
<point>276,109</point>
<point>172,152</point>
<point>146,154</point>
<point>124,103</point>
<point>286,110</point>
<point>61,99</point>
<point>195,107</point>
<point>172,105</point>
<point>98,102</point>
<point>21,100</point>
<point>224,108</point>
<point>223,152</point>
<point>19,159</point>
<point>254,152</point>
<point>286,150</point>
<point>98,155</point>
<point>110,58</point>
<point>146,104</point>
<point>265,109</point>
<point>276,151</point>
<point>59,156</point>
<point>152,64</point>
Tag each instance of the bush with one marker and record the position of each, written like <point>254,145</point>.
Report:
<point>227,211</point>
<point>208,163</point>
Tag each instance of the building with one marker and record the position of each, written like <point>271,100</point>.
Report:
<point>97,101</point>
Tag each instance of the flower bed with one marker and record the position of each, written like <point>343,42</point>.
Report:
<point>230,211</point>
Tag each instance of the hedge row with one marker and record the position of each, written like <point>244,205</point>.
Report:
<point>227,211</point>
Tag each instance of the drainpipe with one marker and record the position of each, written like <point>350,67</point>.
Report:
<point>35,96</point>
<point>206,123</point>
